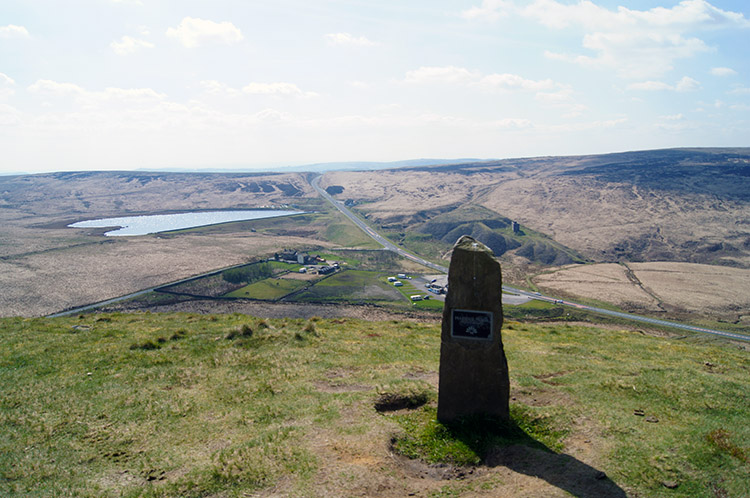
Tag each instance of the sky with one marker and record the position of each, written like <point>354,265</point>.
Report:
<point>134,84</point>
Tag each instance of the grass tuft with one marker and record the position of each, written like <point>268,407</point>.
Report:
<point>402,396</point>
<point>721,440</point>
<point>179,334</point>
<point>310,328</point>
<point>148,345</point>
<point>243,331</point>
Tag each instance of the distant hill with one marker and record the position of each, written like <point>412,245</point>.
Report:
<point>688,205</point>
<point>319,167</point>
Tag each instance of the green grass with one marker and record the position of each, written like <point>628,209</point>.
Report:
<point>341,257</point>
<point>269,289</point>
<point>230,405</point>
<point>347,234</point>
<point>282,267</point>
<point>351,286</point>
<point>409,289</point>
<point>468,441</point>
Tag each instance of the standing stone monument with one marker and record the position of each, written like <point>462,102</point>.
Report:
<point>473,369</point>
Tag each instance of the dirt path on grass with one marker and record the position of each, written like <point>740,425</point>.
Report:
<point>357,463</point>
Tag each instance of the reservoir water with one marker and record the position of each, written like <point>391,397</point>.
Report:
<point>143,225</point>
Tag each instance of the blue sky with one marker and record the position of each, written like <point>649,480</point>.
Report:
<point>128,84</point>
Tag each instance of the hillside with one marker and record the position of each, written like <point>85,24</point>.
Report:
<point>163,405</point>
<point>685,205</point>
<point>681,206</point>
<point>46,267</point>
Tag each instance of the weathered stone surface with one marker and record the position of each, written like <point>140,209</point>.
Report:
<point>473,369</point>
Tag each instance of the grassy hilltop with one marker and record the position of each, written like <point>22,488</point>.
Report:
<point>229,405</point>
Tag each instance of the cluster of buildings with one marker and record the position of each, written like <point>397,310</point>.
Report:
<point>302,258</point>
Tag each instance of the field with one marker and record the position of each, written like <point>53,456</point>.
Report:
<point>353,283</point>
<point>408,289</point>
<point>190,405</point>
<point>721,293</point>
<point>352,286</point>
<point>47,282</point>
<point>270,288</point>
<point>46,267</point>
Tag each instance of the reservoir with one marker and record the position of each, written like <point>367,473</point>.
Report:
<point>143,225</point>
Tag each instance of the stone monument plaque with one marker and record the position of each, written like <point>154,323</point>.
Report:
<point>469,324</point>
<point>473,369</point>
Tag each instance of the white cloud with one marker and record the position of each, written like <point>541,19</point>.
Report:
<point>217,88</point>
<point>686,16</point>
<point>9,116</point>
<point>513,82</point>
<point>128,45</point>
<point>686,84</point>
<point>279,88</point>
<point>637,43</point>
<point>347,39</point>
<point>488,82</point>
<point>562,99</point>
<point>358,84</point>
<point>740,90</point>
<point>490,10</point>
<point>49,87</point>
<point>6,80</point>
<point>193,32</point>
<point>511,123</point>
<point>673,117</point>
<point>440,74</point>
<point>650,86</point>
<point>586,126</point>
<point>13,31</point>
<point>129,94</point>
<point>52,88</point>
<point>723,71</point>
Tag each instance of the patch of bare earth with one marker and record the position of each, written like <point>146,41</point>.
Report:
<point>357,460</point>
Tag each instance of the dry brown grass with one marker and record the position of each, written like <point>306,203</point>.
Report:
<point>710,289</point>
<point>698,218</point>
<point>716,291</point>
<point>605,282</point>
<point>43,283</point>
<point>595,217</point>
<point>391,194</point>
<point>46,267</point>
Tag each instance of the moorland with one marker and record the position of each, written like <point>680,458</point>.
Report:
<point>288,383</point>
<point>660,232</point>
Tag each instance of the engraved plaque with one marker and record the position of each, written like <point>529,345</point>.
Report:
<point>468,324</point>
